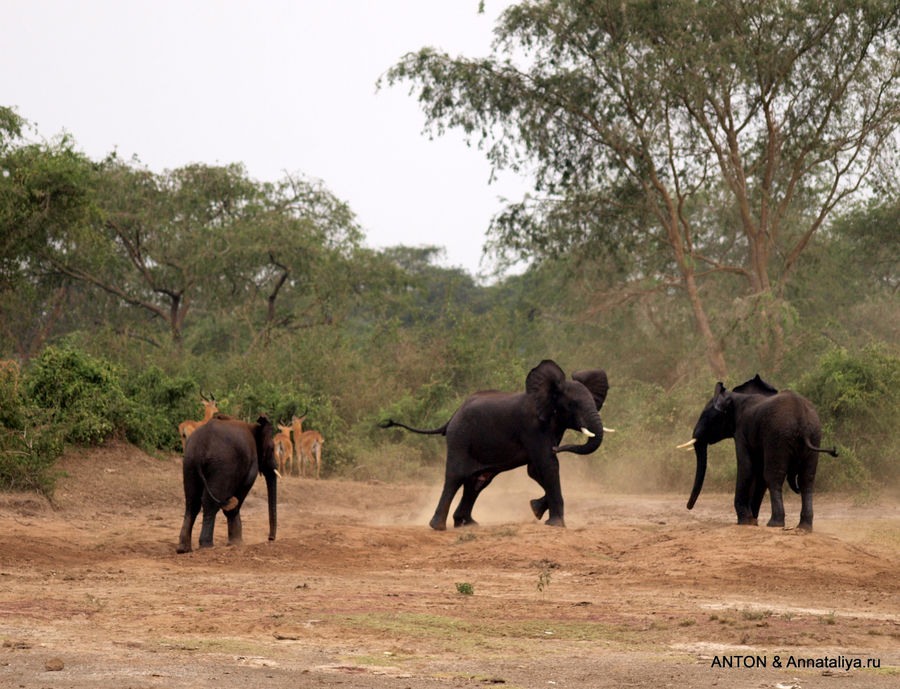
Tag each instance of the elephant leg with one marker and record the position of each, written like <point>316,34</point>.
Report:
<point>743,490</point>
<point>473,485</point>
<point>192,509</point>
<point>539,506</point>
<point>210,508</point>
<point>806,480</point>
<point>775,494</point>
<point>548,478</point>
<point>451,485</point>
<point>756,497</point>
<point>235,528</point>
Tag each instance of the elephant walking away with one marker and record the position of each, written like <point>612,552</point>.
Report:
<point>776,436</point>
<point>222,459</point>
<point>497,431</point>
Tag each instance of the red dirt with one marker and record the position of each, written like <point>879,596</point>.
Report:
<point>358,592</point>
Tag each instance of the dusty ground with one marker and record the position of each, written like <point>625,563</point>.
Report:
<point>358,592</point>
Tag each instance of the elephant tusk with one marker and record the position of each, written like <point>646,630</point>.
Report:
<point>609,430</point>
<point>688,445</point>
<point>587,432</point>
<point>277,473</point>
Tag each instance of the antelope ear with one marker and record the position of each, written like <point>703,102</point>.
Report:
<point>596,382</point>
<point>543,385</point>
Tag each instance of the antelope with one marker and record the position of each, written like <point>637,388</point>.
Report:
<point>307,446</point>
<point>284,449</point>
<point>185,428</point>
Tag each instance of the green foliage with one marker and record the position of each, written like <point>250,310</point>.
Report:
<point>81,394</point>
<point>157,403</point>
<point>465,588</point>
<point>28,447</point>
<point>857,395</point>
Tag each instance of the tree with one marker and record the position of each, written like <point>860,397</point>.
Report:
<point>711,138</point>
<point>45,188</point>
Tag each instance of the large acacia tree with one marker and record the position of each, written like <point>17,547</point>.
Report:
<point>706,137</point>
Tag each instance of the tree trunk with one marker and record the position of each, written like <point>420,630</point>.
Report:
<point>714,355</point>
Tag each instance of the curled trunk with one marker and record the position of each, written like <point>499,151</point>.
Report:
<point>700,450</point>
<point>595,426</point>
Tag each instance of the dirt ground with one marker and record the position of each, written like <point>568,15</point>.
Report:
<point>357,591</point>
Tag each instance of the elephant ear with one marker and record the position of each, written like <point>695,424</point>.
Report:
<point>542,385</point>
<point>756,386</point>
<point>721,401</point>
<point>596,382</point>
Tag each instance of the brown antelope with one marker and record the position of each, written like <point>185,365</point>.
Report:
<point>284,449</point>
<point>185,428</point>
<point>307,447</point>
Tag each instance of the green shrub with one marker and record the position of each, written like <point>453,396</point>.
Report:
<point>156,404</point>
<point>29,446</point>
<point>857,396</point>
<point>81,394</point>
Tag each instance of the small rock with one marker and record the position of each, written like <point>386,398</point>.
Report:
<point>54,665</point>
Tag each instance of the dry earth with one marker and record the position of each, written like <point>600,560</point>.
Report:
<point>358,592</point>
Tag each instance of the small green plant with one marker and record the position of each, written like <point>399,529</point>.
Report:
<point>465,588</point>
<point>543,581</point>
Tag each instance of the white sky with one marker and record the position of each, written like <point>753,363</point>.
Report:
<point>280,85</point>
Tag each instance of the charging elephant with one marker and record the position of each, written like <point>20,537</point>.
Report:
<point>496,431</point>
<point>776,436</point>
<point>222,459</point>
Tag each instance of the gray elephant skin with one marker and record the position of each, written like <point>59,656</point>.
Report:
<point>497,431</point>
<point>776,437</point>
<point>221,462</point>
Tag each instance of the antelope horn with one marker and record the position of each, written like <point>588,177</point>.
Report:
<point>686,446</point>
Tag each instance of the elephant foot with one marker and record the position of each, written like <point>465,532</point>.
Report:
<point>437,524</point>
<point>556,521</point>
<point>775,522</point>
<point>748,521</point>
<point>183,548</point>
<point>538,507</point>
<point>205,544</point>
<point>805,526</point>
<point>459,523</point>
<point>235,542</point>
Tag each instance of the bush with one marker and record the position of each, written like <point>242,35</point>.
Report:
<point>28,447</point>
<point>80,394</point>
<point>857,396</point>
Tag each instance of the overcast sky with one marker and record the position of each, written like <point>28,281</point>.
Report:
<point>279,85</point>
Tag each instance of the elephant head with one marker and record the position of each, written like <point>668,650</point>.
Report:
<point>264,435</point>
<point>569,403</point>
<point>717,421</point>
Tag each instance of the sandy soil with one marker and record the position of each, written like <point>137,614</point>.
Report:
<point>358,592</point>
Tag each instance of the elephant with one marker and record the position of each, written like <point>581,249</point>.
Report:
<point>776,436</point>
<point>495,431</point>
<point>222,459</point>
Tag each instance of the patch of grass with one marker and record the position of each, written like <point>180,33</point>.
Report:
<point>465,588</point>
<point>491,637</point>
<point>240,647</point>
<point>756,614</point>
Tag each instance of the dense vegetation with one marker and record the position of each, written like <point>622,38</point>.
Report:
<point>125,292</point>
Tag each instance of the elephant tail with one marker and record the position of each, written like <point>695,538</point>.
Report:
<point>228,504</point>
<point>432,431</point>
<point>833,451</point>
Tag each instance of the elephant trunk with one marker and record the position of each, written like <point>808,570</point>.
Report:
<point>272,490</point>
<point>594,426</point>
<point>700,450</point>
